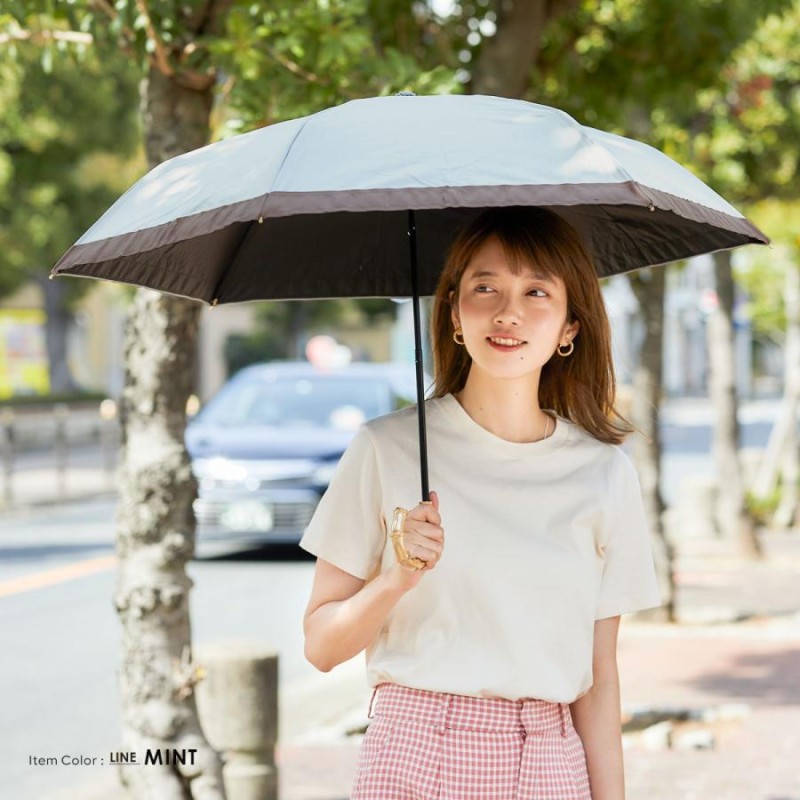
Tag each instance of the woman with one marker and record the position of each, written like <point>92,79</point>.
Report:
<point>492,649</point>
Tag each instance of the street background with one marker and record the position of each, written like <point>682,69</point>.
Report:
<point>734,658</point>
<point>93,94</point>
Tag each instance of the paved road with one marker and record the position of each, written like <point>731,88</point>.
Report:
<point>60,637</point>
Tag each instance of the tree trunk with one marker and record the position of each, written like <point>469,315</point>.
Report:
<point>648,286</point>
<point>57,322</point>
<point>505,61</point>
<point>788,511</point>
<point>155,523</point>
<point>733,520</point>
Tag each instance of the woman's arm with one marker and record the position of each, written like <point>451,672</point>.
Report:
<point>345,613</point>
<point>597,716</point>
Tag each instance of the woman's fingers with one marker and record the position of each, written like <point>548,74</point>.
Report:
<point>427,512</point>
<point>424,529</point>
<point>413,539</point>
<point>427,545</point>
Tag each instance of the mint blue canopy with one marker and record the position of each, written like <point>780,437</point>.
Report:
<point>326,205</point>
<point>317,206</point>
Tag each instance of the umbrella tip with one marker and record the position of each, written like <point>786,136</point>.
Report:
<point>405,94</point>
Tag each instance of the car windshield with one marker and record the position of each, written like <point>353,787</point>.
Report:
<point>315,401</point>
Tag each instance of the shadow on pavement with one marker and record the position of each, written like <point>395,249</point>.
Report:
<point>281,553</point>
<point>768,678</point>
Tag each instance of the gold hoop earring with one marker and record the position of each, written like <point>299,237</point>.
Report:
<point>456,333</point>
<point>566,353</point>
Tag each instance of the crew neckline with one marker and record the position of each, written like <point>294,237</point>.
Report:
<point>477,433</point>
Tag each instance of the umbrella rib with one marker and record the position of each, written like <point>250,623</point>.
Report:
<point>223,273</point>
<point>285,158</point>
<point>635,185</point>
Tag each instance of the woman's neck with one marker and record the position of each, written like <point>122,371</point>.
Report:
<point>508,409</point>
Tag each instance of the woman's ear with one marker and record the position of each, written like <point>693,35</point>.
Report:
<point>572,329</point>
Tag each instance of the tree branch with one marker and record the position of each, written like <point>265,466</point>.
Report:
<point>160,54</point>
<point>189,79</point>
<point>41,37</point>
<point>113,14</point>
<point>295,68</point>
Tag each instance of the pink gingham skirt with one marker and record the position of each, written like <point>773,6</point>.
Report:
<point>434,746</point>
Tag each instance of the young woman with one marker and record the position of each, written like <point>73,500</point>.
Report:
<point>489,615</point>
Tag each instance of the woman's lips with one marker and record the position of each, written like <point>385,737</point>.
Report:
<point>504,345</point>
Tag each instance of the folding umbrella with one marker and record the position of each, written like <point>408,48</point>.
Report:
<point>361,200</point>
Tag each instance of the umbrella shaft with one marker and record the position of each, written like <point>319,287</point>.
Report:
<point>423,439</point>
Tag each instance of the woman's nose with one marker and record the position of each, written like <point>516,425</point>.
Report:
<point>509,313</point>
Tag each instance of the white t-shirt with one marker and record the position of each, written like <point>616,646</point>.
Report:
<point>541,540</point>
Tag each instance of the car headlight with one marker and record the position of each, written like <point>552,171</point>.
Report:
<point>218,469</point>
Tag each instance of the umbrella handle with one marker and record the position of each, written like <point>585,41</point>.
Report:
<point>423,438</point>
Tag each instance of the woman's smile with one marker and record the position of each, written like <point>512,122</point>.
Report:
<point>505,344</point>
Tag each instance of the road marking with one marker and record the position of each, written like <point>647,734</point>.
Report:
<point>50,577</point>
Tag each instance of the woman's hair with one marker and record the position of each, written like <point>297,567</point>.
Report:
<point>580,387</point>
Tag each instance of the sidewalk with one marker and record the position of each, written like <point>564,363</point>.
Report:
<point>747,672</point>
<point>743,676</point>
<point>43,486</point>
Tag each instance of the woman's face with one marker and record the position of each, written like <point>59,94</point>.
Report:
<point>511,323</point>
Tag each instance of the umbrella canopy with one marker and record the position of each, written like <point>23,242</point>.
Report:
<point>327,205</point>
<point>317,206</point>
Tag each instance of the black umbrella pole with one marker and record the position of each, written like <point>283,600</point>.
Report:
<point>423,438</point>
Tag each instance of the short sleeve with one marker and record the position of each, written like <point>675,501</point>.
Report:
<point>629,582</point>
<point>347,528</point>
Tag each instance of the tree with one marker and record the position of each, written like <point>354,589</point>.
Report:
<point>67,138</point>
<point>648,286</point>
<point>607,65</point>
<point>747,150</point>
<point>773,283</point>
<point>506,60</point>
<point>259,65</point>
<point>760,136</point>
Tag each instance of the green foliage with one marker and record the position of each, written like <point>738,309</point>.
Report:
<point>290,58</point>
<point>67,135</point>
<point>763,274</point>
<point>76,399</point>
<point>762,509</point>
<point>712,83</point>
<point>632,66</point>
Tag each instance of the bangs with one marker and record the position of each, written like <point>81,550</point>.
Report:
<point>528,253</point>
<point>532,238</point>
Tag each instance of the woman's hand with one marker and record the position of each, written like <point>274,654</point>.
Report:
<point>423,538</point>
<point>346,613</point>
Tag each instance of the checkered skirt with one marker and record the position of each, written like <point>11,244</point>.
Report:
<point>434,746</point>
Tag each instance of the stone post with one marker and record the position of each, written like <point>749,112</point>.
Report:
<point>237,702</point>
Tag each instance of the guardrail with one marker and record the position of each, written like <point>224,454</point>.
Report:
<point>46,438</point>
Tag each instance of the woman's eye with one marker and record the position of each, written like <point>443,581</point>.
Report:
<point>544,293</point>
<point>483,289</point>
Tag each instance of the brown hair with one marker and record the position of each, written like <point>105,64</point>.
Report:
<point>580,387</point>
